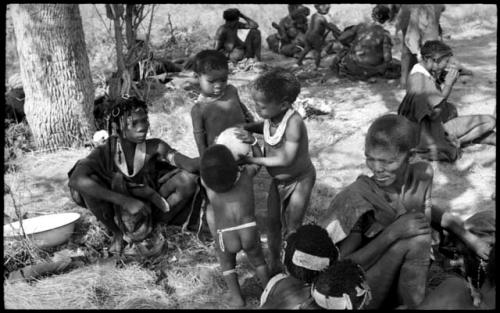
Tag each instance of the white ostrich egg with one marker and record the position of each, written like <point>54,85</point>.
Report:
<point>236,146</point>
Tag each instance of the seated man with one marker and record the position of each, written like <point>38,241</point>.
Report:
<point>290,38</point>
<point>367,51</point>
<point>228,42</point>
<point>308,252</point>
<point>131,183</point>
<point>383,222</point>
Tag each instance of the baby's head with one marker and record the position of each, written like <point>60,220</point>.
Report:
<point>381,13</point>
<point>308,252</point>
<point>211,69</point>
<point>322,8</point>
<point>274,92</point>
<point>388,145</point>
<point>218,168</point>
<point>342,286</point>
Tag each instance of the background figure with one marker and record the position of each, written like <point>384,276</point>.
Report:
<point>228,42</point>
<point>290,38</point>
<point>418,23</point>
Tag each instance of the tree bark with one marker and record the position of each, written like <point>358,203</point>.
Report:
<point>55,73</point>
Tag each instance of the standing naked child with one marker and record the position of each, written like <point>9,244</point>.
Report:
<point>231,216</point>
<point>227,41</point>
<point>316,33</point>
<point>218,106</point>
<point>286,156</point>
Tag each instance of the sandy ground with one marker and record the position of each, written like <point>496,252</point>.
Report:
<point>336,141</point>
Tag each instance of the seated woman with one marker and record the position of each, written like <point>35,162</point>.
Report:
<point>228,42</point>
<point>131,183</point>
<point>289,40</point>
<point>442,131</point>
<point>367,51</point>
<point>383,222</point>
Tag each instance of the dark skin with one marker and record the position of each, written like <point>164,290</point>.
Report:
<point>315,35</point>
<point>226,37</point>
<point>134,133</point>
<point>229,209</point>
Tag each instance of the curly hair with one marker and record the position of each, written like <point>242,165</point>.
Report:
<point>311,239</point>
<point>435,49</point>
<point>278,85</point>
<point>231,15</point>
<point>209,60</point>
<point>392,130</point>
<point>218,168</point>
<point>342,277</point>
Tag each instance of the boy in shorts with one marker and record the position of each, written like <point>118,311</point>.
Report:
<point>231,216</point>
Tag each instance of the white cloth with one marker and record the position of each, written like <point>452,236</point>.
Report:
<point>280,131</point>
<point>139,158</point>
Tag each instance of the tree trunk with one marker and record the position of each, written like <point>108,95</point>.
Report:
<point>55,73</point>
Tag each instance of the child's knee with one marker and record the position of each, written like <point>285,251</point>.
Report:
<point>227,261</point>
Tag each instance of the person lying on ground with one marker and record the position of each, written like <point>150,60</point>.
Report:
<point>308,252</point>
<point>130,183</point>
<point>442,131</point>
<point>383,222</point>
<point>231,215</point>
<point>286,158</point>
<point>316,34</point>
<point>367,50</point>
<point>228,42</point>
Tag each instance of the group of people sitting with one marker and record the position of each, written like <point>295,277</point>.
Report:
<point>371,247</point>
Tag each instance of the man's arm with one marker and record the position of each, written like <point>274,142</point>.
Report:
<point>177,159</point>
<point>253,169</point>
<point>199,130</point>
<point>255,127</point>
<point>288,153</point>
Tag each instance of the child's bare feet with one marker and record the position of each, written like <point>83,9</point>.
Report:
<point>234,300</point>
<point>477,244</point>
<point>116,244</point>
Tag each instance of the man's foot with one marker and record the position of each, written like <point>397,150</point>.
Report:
<point>116,244</point>
<point>234,301</point>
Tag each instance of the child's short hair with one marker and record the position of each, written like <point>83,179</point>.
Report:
<point>308,251</point>
<point>381,13</point>
<point>342,286</point>
<point>231,15</point>
<point>435,49</point>
<point>218,168</point>
<point>209,60</point>
<point>278,85</point>
<point>120,109</point>
<point>392,130</point>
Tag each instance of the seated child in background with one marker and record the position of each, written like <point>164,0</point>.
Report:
<point>316,33</point>
<point>308,252</point>
<point>121,181</point>
<point>286,156</point>
<point>342,286</point>
<point>383,222</point>
<point>231,216</point>
<point>218,106</point>
<point>228,42</point>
